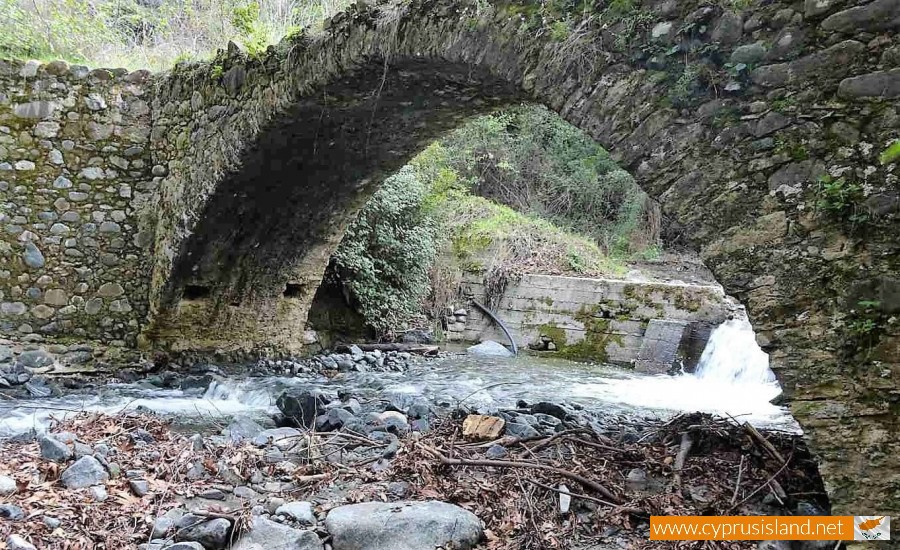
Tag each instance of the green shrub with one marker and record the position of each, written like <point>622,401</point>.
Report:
<point>386,253</point>
<point>837,195</point>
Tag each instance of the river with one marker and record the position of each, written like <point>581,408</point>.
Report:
<point>733,379</point>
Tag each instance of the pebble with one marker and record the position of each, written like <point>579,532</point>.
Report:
<point>139,487</point>
<point>245,492</point>
<point>98,493</point>
<point>212,494</point>
<point>7,486</point>
<point>51,522</point>
<point>496,451</point>
<point>11,512</point>
<point>16,542</point>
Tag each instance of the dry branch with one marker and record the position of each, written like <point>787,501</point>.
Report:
<point>590,484</point>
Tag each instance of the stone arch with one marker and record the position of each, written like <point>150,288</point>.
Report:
<point>736,164</point>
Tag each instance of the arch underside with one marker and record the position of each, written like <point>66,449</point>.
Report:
<point>276,221</point>
<point>726,167</point>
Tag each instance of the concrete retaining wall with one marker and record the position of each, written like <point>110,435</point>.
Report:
<point>593,319</point>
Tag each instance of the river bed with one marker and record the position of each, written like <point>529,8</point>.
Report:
<point>740,389</point>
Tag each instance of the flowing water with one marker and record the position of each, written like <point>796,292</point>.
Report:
<point>733,378</point>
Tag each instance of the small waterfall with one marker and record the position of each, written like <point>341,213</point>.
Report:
<point>732,355</point>
<point>250,393</point>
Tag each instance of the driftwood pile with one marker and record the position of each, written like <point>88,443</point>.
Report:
<point>583,489</point>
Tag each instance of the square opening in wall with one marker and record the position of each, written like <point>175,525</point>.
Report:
<point>195,292</point>
<point>293,290</point>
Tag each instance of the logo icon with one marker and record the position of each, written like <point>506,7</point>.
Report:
<point>871,528</point>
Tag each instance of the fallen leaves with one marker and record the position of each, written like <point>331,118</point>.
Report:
<point>120,522</point>
<point>519,506</point>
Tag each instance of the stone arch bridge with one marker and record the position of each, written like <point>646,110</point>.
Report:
<point>762,128</point>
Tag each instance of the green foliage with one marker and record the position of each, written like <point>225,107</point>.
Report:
<point>620,8</point>
<point>386,253</point>
<point>245,20</point>
<point>786,104</point>
<point>651,252</point>
<point>559,31</point>
<point>891,153</point>
<point>519,191</point>
<point>530,159</point>
<point>632,21</point>
<point>52,29</point>
<point>682,93</point>
<point>426,223</point>
<point>740,4</point>
<point>737,70</point>
<point>837,195</point>
<point>136,34</point>
<point>792,147</point>
<point>864,324</point>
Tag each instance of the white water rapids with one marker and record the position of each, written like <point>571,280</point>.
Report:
<point>733,379</point>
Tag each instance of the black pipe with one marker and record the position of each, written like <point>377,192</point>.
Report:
<point>495,319</point>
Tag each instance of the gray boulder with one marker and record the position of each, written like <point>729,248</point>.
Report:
<point>403,526</point>
<point>242,428</point>
<point>550,409</point>
<point>54,449</point>
<point>489,348</point>
<point>161,526</point>
<point>86,471</point>
<point>212,534</point>
<point>300,512</point>
<point>98,493</point>
<point>521,429</point>
<point>15,374</point>
<point>301,406</point>
<point>265,534</point>
<point>334,420</point>
<point>35,359</point>
<point>185,546</point>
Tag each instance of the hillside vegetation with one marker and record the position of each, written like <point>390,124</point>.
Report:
<point>519,191</point>
<point>150,34</point>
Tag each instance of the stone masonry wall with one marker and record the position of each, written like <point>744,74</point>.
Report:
<point>74,167</point>
<point>593,319</point>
